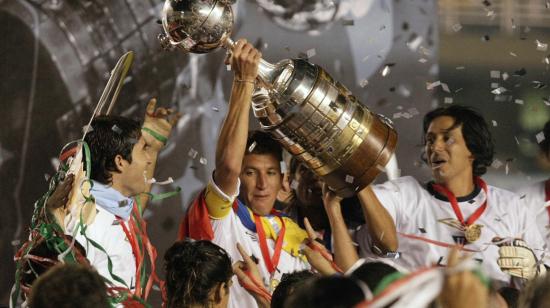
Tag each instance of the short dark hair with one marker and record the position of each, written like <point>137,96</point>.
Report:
<point>474,129</point>
<point>545,144</point>
<point>320,292</point>
<point>111,136</point>
<point>372,273</point>
<point>69,285</point>
<point>289,283</point>
<point>260,142</point>
<point>193,269</point>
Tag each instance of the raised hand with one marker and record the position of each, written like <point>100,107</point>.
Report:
<point>317,255</point>
<point>244,60</point>
<point>249,278</point>
<point>158,124</point>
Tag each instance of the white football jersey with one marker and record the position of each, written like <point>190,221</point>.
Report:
<point>421,213</point>
<point>534,197</point>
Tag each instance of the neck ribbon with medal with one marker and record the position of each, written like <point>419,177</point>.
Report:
<point>270,262</point>
<point>472,231</point>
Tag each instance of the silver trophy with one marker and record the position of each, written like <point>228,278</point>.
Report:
<point>314,117</point>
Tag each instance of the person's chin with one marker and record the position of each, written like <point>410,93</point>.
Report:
<point>263,206</point>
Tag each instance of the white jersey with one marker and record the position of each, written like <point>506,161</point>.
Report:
<point>107,232</point>
<point>534,197</point>
<point>230,230</point>
<point>419,213</point>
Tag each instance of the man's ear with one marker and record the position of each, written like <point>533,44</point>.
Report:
<point>221,290</point>
<point>120,163</point>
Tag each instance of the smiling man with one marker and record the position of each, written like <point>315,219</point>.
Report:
<point>237,205</point>
<point>418,224</point>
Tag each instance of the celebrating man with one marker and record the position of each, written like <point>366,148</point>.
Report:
<point>249,168</point>
<point>417,224</point>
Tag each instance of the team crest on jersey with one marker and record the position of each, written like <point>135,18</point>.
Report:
<point>471,233</point>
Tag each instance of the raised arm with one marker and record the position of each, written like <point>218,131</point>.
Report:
<point>380,224</point>
<point>345,253</point>
<point>232,140</point>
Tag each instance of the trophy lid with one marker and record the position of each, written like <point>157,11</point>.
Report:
<point>197,26</point>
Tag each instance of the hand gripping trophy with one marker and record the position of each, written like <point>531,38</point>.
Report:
<point>314,117</point>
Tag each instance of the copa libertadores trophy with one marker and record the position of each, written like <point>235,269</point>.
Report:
<point>314,117</point>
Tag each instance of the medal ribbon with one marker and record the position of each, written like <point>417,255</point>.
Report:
<point>454,203</point>
<point>270,262</point>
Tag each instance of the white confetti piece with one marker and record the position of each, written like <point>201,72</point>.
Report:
<point>518,101</point>
<point>541,46</point>
<point>311,53</point>
<point>496,164</point>
<point>251,147</point>
<point>415,43</point>
<point>494,123</point>
<point>386,70</point>
<point>459,68</point>
<point>495,74</point>
<point>203,160</point>
<point>192,153</point>
<point>513,54</point>
<point>349,179</point>
<point>448,100</point>
<point>116,129</point>
<point>540,137</point>
<point>363,83</point>
<point>422,60</point>
<point>506,169</point>
<point>505,76</point>
<point>456,27</point>
<point>228,67</point>
<point>215,108</point>
<point>282,164</point>
<point>494,85</point>
<point>294,184</point>
<point>403,91</point>
<point>430,86</point>
<point>499,90</point>
<point>445,87</point>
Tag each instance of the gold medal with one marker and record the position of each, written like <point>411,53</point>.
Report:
<point>273,283</point>
<point>472,233</point>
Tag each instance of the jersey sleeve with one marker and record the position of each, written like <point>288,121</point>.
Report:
<point>219,203</point>
<point>392,195</point>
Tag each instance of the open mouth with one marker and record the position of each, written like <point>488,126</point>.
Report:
<point>437,163</point>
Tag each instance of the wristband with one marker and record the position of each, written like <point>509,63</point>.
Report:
<point>244,80</point>
<point>155,135</point>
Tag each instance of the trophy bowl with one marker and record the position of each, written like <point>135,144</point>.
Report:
<point>196,26</point>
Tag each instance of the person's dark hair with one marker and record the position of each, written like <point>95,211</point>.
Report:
<point>69,285</point>
<point>260,142</point>
<point>536,294</point>
<point>510,296</point>
<point>289,283</point>
<point>545,144</point>
<point>326,292</point>
<point>193,270</point>
<point>372,273</point>
<point>474,129</point>
<point>111,136</point>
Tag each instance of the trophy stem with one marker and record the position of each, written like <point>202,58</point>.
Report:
<point>265,69</point>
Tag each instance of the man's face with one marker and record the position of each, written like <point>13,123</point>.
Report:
<point>261,180</point>
<point>446,150</point>
<point>133,174</point>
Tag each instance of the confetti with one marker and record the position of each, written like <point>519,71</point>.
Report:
<point>459,68</point>
<point>494,123</point>
<point>251,147</point>
<point>430,86</point>
<point>216,109</point>
<point>349,179</point>
<point>363,83</point>
<point>513,54</point>
<point>228,67</point>
<point>203,161</point>
<point>499,90</point>
<point>456,27</point>
<point>282,164</point>
<point>495,74</point>
<point>116,129</point>
<point>448,100</point>
<point>496,164</point>
<point>540,137</point>
<point>403,91</point>
<point>541,46</point>
<point>385,71</point>
<point>192,153</point>
<point>494,85</point>
<point>422,60</point>
<point>518,101</point>
<point>538,84</point>
<point>445,87</point>
<point>294,184</point>
<point>414,42</point>
<point>505,76</point>
<point>311,53</point>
